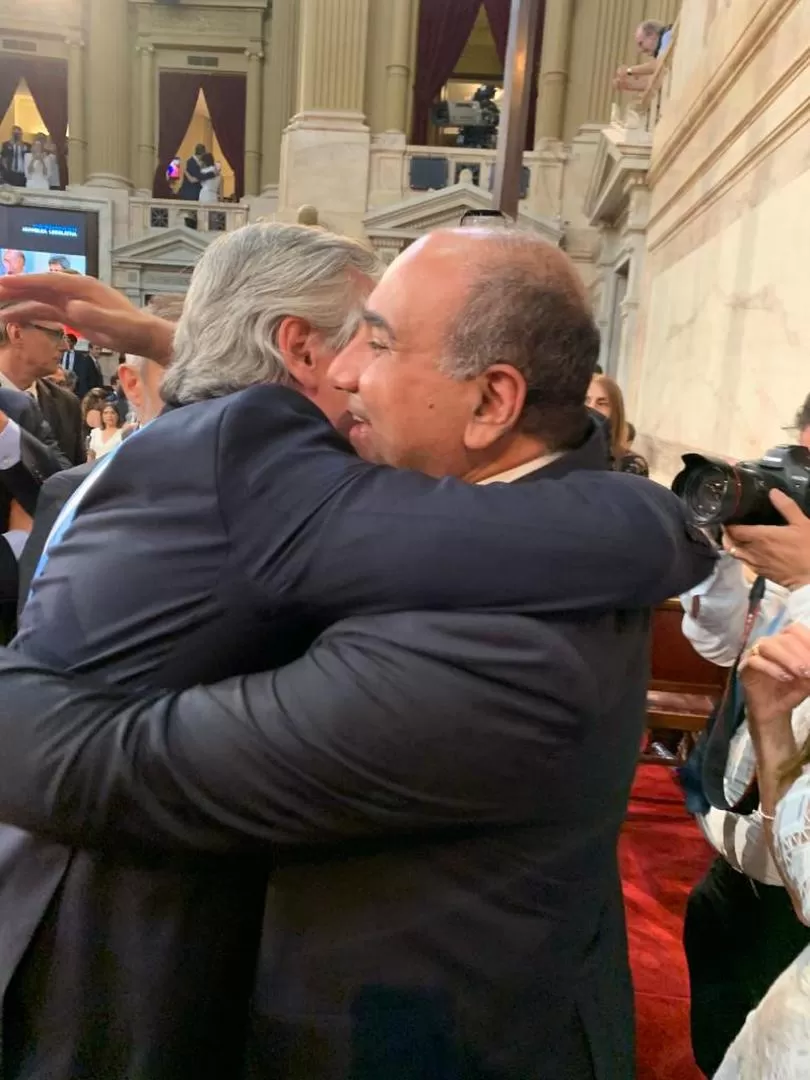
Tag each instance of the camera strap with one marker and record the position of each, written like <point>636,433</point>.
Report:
<point>724,724</point>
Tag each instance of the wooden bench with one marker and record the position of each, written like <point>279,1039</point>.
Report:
<point>684,688</point>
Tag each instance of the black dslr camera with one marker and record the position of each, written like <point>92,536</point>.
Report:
<point>716,493</point>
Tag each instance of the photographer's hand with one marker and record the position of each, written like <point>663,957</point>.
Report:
<point>780,553</point>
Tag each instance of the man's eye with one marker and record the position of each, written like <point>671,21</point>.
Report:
<point>378,346</point>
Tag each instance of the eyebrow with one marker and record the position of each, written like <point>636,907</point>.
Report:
<point>372,318</point>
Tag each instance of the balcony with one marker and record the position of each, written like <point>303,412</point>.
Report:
<point>148,215</point>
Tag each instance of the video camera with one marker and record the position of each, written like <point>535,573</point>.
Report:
<point>716,493</point>
<point>477,119</point>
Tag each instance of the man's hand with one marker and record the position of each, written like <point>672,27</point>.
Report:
<point>775,674</point>
<point>100,313</point>
<point>18,519</point>
<point>780,553</point>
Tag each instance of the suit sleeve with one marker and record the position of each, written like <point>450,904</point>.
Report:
<point>315,528</point>
<point>8,573</point>
<point>312,754</point>
<point>40,450</point>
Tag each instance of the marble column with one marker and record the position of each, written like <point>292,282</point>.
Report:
<point>77,139</point>
<point>253,120</point>
<point>108,96</point>
<point>553,80</point>
<point>332,62</point>
<point>397,71</point>
<point>279,88</point>
<point>326,148</point>
<point>147,151</point>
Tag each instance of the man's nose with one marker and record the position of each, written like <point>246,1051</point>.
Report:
<point>344,371</point>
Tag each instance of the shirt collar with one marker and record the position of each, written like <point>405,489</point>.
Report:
<point>521,470</point>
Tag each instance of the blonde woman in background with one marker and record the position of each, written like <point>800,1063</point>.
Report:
<point>605,397</point>
<point>774,1044</point>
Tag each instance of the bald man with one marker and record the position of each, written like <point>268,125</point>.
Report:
<point>438,793</point>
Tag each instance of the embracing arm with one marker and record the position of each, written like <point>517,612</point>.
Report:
<point>317,528</point>
<point>366,735</point>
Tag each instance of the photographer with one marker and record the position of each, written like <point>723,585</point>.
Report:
<point>740,931</point>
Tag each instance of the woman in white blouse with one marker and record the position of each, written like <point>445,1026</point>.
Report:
<point>105,438</point>
<point>211,183</point>
<point>38,167</point>
<point>774,1044</point>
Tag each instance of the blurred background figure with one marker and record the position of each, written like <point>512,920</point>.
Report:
<point>12,156</point>
<point>605,397</point>
<point>13,262</point>
<point>38,167</point>
<point>211,183</point>
<point>107,435</point>
<point>83,364</point>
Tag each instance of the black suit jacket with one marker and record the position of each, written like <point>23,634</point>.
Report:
<point>86,370</point>
<point>234,531</point>
<point>53,495</point>
<point>7,156</point>
<point>40,458</point>
<point>63,412</point>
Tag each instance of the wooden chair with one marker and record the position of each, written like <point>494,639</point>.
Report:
<point>684,688</point>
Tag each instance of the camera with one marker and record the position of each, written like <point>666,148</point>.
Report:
<point>716,493</point>
<point>477,120</point>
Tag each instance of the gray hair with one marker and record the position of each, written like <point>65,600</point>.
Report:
<point>526,307</point>
<point>652,26</point>
<point>245,284</point>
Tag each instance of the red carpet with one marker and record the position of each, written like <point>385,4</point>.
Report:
<point>662,855</point>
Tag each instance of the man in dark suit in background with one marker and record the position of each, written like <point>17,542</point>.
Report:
<point>83,365</point>
<point>213,583</point>
<point>12,158</point>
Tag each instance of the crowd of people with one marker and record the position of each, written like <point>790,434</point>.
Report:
<point>329,784</point>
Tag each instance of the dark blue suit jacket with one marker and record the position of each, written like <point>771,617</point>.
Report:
<point>230,533</point>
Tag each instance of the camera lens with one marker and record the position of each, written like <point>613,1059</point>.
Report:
<point>712,493</point>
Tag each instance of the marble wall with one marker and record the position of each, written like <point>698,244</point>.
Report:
<point>721,356</point>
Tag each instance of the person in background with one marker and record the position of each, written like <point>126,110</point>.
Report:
<point>211,174</point>
<point>13,262</point>
<point>653,38</point>
<point>107,435</point>
<point>802,424</point>
<point>12,156</point>
<point>605,397</point>
<point>54,178</point>
<point>192,176</point>
<point>59,264</point>
<point>775,1040</point>
<point>740,930</point>
<point>37,167</point>
<point>84,365</point>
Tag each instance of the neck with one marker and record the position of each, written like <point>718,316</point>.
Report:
<point>519,450</point>
<point>15,369</point>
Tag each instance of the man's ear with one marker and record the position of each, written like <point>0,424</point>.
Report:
<point>294,341</point>
<point>131,385</point>
<point>500,399</point>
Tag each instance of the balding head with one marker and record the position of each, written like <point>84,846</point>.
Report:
<point>500,347</point>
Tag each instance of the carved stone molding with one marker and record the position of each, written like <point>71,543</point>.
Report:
<point>40,17</point>
<point>210,22</point>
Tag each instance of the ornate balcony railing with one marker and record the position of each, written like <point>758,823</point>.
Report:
<point>146,215</point>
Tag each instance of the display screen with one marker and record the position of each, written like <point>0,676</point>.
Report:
<point>38,241</point>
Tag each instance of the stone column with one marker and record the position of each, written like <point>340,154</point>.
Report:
<point>77,140</point>
<point>326,148</point>
<point>253,120</point>
<point>553,80</point>
<point>279,88</point>
<point>147,151</point>
<point>108,97</point>
<point>397,71</point>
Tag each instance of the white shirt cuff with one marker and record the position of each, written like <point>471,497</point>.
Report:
<point>10,453</point>
<point>16,540</point>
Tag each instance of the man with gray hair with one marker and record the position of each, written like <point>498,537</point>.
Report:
<point>652,38</point>
<point>238,527</point>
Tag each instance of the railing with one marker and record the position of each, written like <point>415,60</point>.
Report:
<point>453,165</point>
<point>657,93</point>
<point>146,215</point>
